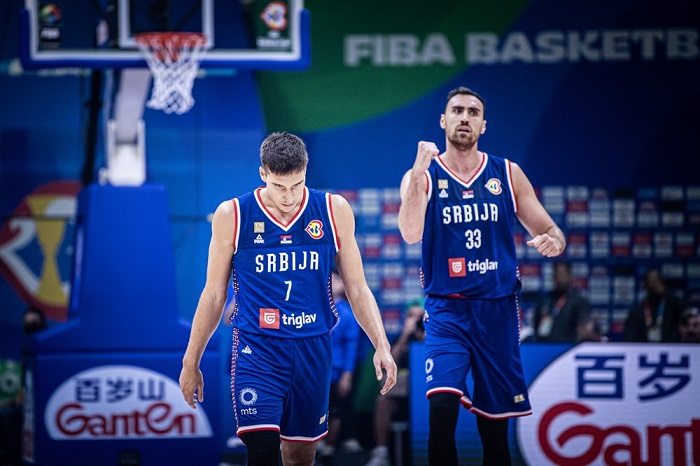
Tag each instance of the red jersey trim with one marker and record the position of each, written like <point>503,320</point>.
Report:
<point>471,180</point>
<point>259,427</point>
<point>273,219</point>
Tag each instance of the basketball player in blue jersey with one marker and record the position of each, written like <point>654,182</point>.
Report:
<point>462,204</point>
<point>279,243</point>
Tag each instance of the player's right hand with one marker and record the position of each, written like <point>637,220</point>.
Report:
<point>192,386</point>
<point>385,367</point>
<point>426,151</point>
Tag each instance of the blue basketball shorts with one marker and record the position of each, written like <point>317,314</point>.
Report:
<point>281,384</point>
<point>481,336</point>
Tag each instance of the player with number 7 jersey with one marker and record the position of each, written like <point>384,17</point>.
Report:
<point>282,271</point>
<point>279,243</point>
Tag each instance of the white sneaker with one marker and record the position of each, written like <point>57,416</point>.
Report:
<point>324,449</point>
<point>351,445</point>
<point>376,461</point>
<point>380,457</point>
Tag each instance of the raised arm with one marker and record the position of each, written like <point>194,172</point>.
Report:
<point>211,302</point>
<point>547,237</point>
<point>414,194</point>
<point>360,297</point>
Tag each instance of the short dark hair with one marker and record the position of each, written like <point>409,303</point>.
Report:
<point>461,90</point>
<point>283,153</point>
<point>41,325</point>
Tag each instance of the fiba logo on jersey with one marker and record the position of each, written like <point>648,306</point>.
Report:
<point>269,318</point>
<point>494,185</point>
<point>315,229</point>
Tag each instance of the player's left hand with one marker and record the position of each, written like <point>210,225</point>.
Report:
<point>384,361</point>
<point>546,245</point>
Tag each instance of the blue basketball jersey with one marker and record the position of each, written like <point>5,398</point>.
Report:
<point>281,272</point>
<point>468,246</point>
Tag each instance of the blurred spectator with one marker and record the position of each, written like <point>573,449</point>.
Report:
<point>344,341</point>
<point>33,320</point>
<point>527,333</point>
<point>689,327</point>
<point>656,317</point>
<point>589,329</point>
<point>396,402</point>
<point>559,314</point>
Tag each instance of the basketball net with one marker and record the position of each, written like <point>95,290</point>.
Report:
<point>173,58</point>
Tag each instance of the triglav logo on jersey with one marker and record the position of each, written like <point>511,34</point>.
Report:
<point>457,267</point>
<point>269,318</point>
<point>482,266</point>
<point>298,321</point>
<point>315,229</point>
<point>494,186</point>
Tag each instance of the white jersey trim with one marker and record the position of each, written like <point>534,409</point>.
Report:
<point>506,415</point>
<point>297,215</point>
<point>510,185</point>
<point>304,439</point>
<point>237,224</point>
<point>430,184</point>
<point>475,176</point>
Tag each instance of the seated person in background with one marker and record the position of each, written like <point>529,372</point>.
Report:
<point>387,406</point>
<point>33,320</point>
<point>656,317</point>
<point>689,326</point>
<point>589,330</point>
<point>558,315</point>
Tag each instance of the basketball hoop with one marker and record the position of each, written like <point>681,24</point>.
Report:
<point>173,58</point>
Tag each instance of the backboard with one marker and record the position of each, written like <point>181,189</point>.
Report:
<point>245,34</point>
